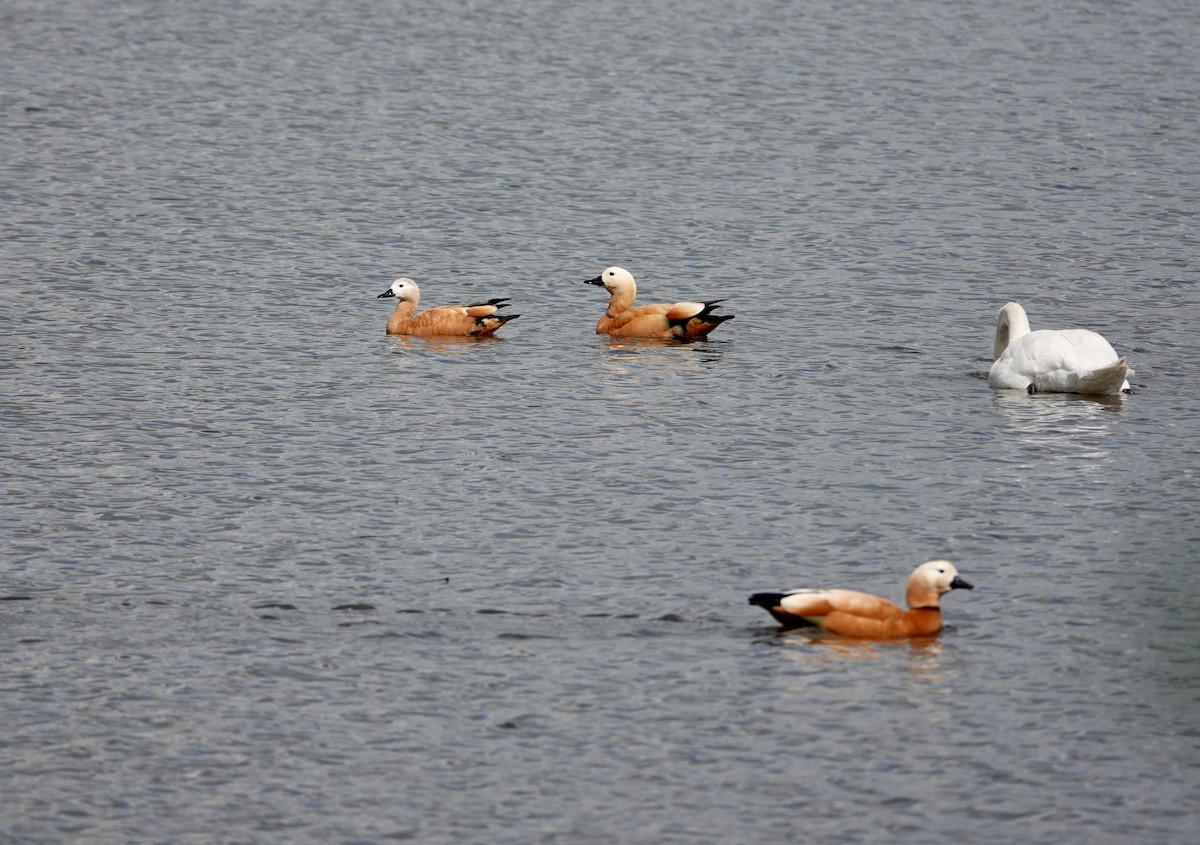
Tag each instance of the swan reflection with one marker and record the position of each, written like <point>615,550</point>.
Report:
<point>1057,430</point>
<point>1058,416</point>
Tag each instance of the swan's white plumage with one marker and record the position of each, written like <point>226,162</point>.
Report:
<point>1053,361</point>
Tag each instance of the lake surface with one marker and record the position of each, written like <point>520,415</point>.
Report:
<point>270,575</point>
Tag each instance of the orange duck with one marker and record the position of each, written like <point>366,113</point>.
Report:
<point>682,320</point>
<point>479,319</point>
<point>854,614</point>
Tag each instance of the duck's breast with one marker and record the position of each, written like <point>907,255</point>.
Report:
<point>643,321</point>
<point>905,623</point>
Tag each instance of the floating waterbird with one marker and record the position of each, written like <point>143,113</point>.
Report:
<point>479,319</point>
<point>683,320</point>
<point>1053,361</point>
<point>854,614</point>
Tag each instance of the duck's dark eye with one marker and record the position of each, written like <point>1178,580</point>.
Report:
<point>611,273</point>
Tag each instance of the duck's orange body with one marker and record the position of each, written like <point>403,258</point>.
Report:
<point>477,320</point>
<point>853,614</point>
<point>681,320</point>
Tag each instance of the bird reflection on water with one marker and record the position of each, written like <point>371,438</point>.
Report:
<point>678,353</point>
<point>821,650</point>
<point>1061,424</point>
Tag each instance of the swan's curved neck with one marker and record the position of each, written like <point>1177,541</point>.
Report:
<point>1010,325</point>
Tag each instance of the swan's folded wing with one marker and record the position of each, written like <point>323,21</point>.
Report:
<point>1109,379</point>
<point>1072,350</point>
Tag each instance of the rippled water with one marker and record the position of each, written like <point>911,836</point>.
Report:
<point>271,575</point>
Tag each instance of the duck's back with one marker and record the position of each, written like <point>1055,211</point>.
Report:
<point>853,614</point>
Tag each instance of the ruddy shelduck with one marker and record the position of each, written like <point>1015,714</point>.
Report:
<point>682,320</point>
<point>1053,361</point>
<point>854,614</point>
<point>479,319</point>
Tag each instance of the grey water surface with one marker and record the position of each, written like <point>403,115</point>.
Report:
<point>269,575</point>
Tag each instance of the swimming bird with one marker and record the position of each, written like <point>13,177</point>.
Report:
<point>479,319</point>
<point>854,614</point>
<point>1053,361</point>
<point>683,320</point>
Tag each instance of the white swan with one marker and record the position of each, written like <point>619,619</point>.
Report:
<point>1053,361</point>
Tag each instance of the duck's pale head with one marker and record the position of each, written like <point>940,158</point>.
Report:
<point>931,580</point>
<point>614,280</point>
<point>403,288</point>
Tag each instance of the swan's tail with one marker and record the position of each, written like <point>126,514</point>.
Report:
<point>1105,380</point>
